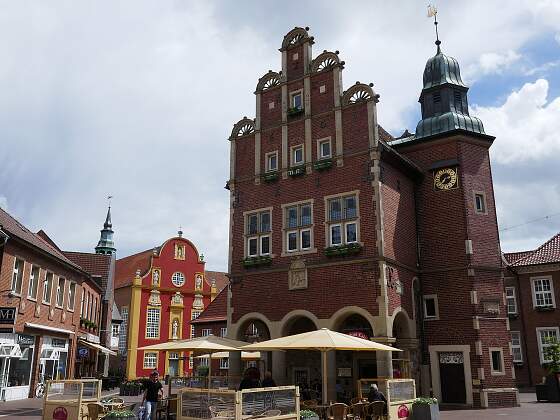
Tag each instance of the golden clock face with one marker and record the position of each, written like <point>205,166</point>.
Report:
<point>445,179</point>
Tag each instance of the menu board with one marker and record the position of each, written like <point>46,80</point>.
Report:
<point>400,390</point>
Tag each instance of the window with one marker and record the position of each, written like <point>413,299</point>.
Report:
<point>511,301</point>
<point>60,292</point>
<point>33,282</point>
<point>178,279</point>
<point>115,330</point>
<point>543,294</point>
<point>223,332</point>
<point>17,276</point>
<point>298,222</point>
<point>82,304</point>
<point>206,332</point>
<point>480,202</point>
<point>544,335</point>
<point>150,360</point>
<point>324,149</point>
<point>431,310</point>
<point>194,315</point>
<point>342,214</point>
<point>297,155</point>
<point>122,332</point>
<point>87,306</point>
<point>204,361</point>
<point>258,233</point>
<point>496,361</point>
<point>224,363</point>
<point>152,323</point>
<point>296,100</point>
<point>517,354</point>
<point>71,296</point>
<point>94,311</point>
<point>272,162</point>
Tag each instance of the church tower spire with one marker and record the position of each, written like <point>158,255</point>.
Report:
<point>106,244</point>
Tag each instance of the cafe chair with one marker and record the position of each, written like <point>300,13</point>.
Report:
<point>310,403</point>
<point>358,410</point>
<point>376,410</point>
<point>338,411</point>
<point>95,411</point>
<point>355,400</point>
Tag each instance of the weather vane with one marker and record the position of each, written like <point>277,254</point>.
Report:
<point>432,12</point>
<point>109,197</point>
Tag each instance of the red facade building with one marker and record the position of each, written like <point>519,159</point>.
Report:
<point>158,292</point>
<point>334,223</point>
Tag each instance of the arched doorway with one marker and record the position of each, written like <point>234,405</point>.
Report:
<point>303,367</point>
<point>405,364</point>
<point>255,331</point>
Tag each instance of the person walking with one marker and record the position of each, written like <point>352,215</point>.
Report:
<point>153,392</point>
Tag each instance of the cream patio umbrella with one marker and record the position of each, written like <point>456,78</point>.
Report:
<point>323,340</point>
<point>245,355</point>
<point>206,345</point>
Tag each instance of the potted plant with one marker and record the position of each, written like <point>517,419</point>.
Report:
<point>308,415</point>
<point>551,352</point>
<point>425,409</point>
<point>120,414</point>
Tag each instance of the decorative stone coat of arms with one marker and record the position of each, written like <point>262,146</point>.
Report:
<point>297,276</point>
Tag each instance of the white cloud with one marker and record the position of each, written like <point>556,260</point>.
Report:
<point>526,125</point>
<point>491,63</point>
<point>557,37</point>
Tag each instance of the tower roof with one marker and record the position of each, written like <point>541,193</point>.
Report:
<point>108,224</point>
<point>440,70</point>
<point>106,244</point>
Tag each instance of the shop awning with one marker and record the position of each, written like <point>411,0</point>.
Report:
<point>98,347</point>
<point>46,328</point>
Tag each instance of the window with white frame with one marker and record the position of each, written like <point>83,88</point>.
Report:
<point>258,228</point>
<point>224,363</point>
<point>152,323</point>
<point>296,100</point>
<point>297,155</point>
<point>82,303</point>
<point>191,361</point>
<point>223,332</point>
<point>342,216</point>
<point>204,361</point>
<point>150,360</point>
<point>544,336</point>
<point>115,330</point>
<point>480,202</point>
<point>324,149</point>
<point>60,292</point>
<point>47,288</point>
<point>431,310</point>
<point>511,300</point>
<point>271,162</point>
<point>123,329</point>
<point>496,361</point>
<point>178,279</point>
<point>298,224</point>
<point>71,296</point>
<point>33,282</point>
<point>206,332</point>
<point>516,352</point>
<point>543,293</point>
<point>17,276</point>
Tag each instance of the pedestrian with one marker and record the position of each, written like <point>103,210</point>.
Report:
<point>376,395</point>
<point>267,380</point>
<point>153,392</point>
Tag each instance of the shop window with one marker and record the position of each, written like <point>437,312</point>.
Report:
<point>496,361</point>
<point>298,225</point>
<point>152,323</point>
<point>545,337</point>
<point>258,228</point>
<point>206,332</point>
<point>71,296</point>
<point>17,276</point>
<point>324,148</point>
<point>224,363</point>
<point>297,156</point>
<point>342,216</point>
<point>204,361</point>
<point>543,292</point>
<point>431,310</point>
<point>511,300</point>
<point>517,354</point>
<point>60,292</point>
<point>223,332</point>
<point>19,373</point>
<point>150,360</point>
<point>271,162</point>
<point>178,279</point>
<point>33,282</point>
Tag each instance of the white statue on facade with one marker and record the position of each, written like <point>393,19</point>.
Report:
<point>175,329</point>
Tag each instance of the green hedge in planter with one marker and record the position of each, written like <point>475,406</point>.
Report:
<point>350,249</point>
<point>294,111</point>
<point>270,177</point>
<point>425,409</point>
<point>256,261</point>
<point>120,414</point>
<point>131,388</point>
<point>322,164</point>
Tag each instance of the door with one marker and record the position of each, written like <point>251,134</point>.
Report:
<point>452,378</point>
<point>173,367</point>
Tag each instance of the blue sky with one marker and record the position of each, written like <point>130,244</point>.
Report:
<point>137,98</point>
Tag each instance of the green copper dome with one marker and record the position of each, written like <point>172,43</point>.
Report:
<point>442,69</point>
<point>448,122</point>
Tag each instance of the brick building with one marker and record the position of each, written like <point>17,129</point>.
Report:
<point>334,223</point>
<point>531,279</point>
<point>158,292</point>
<point>43,322</point>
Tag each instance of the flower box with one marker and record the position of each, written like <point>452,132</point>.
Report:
<point>270,177</point>
<point>422,410</point>
<point>349,249</point>
<point>513,316</point>
<point>322,164</point>
<point>256,261</point>
<point>294,111</point>
<point>544,308</point>
<point>296,171</point>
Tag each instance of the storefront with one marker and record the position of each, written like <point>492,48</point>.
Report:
<point>16,362</point>
<point>53,358</point>
<point>89,354</point>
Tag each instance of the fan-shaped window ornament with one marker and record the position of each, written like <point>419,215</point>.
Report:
<point>325,61</point>
<point>359,93</point>
<point>243,127</point>
<point>269,80</point>
<point>294,37</point>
